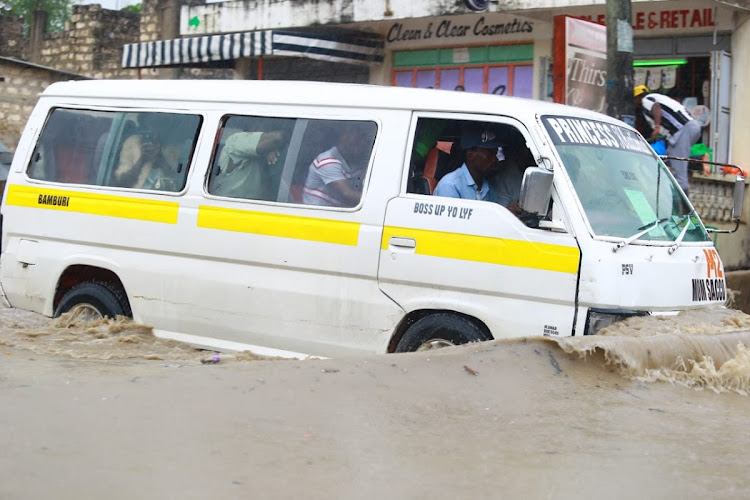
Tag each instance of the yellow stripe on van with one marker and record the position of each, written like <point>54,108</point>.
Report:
<point>506,252</point>
<point>284,226</point>
<point>93,203</point>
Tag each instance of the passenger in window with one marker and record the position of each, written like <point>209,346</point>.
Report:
<point>140,159</point>
<point>336,176</point>
<point>175,152</point>
<point>481,150</point>
<point>246,165</point>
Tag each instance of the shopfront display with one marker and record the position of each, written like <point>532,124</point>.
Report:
<point>502,70</point>
<point>488,53</point>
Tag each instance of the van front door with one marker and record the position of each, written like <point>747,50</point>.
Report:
<point>472,256</point>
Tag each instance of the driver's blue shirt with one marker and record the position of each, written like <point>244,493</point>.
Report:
<point>460,184</point>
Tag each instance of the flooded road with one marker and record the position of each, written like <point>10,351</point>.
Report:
<point>106,410</point>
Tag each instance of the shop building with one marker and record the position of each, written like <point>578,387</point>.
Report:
<point>685,48</point>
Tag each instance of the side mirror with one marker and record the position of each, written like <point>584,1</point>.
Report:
<point>739,197</point>
<point>536,190</point>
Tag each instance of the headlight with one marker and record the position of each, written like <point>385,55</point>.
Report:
<point>596,319</point>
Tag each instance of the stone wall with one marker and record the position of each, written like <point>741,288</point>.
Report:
<point>160,21</point>
<point>150,21</point>
<point>20,85</point>
<point>12,42</point>
<point>92,46</point>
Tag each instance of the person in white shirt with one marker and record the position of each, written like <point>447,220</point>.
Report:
<point>665,114</point>
<point>336,176</point>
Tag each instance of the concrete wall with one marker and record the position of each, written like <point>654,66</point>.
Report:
<point>740,148</point>
<point>735,248</point>
<point>246,15</point>
<point>738,283</point>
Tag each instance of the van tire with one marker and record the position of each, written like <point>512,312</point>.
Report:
<point>95,300</point>
<point>440,330</point>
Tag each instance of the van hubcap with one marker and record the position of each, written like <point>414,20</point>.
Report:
<point>85,312</point>
<point>434,344</point>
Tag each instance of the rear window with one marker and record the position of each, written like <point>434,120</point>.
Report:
<point>135,150</point>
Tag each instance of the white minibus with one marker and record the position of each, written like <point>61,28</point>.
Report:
<point>299,218</point>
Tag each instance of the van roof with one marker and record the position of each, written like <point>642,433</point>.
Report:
<point>315,93</point>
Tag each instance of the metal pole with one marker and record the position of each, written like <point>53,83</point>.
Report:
<point>620,61</point>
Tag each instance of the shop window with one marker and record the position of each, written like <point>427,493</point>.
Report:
<point>450,79</point>
<point>506,79</point>
<point>474,80</point>
<point>139,150</point>
<point>300,161</point>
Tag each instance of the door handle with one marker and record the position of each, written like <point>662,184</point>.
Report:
<point>400,241</point>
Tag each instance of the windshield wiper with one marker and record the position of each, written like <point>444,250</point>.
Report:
<point>678,241</point>
<point>657,221</point>
<point>651,225</point>
<point>642,230</point>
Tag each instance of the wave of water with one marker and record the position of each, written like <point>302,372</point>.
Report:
<point>705,349</point>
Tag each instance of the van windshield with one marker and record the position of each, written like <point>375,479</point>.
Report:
<point>622,186</point>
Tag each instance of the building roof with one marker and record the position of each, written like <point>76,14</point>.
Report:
<point>21,62</point>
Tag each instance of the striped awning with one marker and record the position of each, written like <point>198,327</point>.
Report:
<point>351,48</point>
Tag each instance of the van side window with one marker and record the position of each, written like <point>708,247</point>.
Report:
<point>300,161</point>
<point>333,162</point>
<point>139,150</point>
<point>68,146</point>
<point>249,156</point>
<point>468,159</point>
<point>436,152</point>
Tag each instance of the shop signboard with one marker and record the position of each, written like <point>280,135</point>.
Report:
<point>688,17</point>
<point>580,63</point>
<point>487,28</point>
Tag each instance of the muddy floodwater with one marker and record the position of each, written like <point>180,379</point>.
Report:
<point>655,407</point>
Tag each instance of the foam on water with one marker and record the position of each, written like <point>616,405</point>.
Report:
<point>703,349</point>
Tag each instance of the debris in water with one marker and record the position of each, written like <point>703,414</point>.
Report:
<point>470,370</point>
<point>212,360</point>
<point>554,363</point>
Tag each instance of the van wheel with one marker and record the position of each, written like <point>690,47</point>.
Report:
<point>91,301</point>
<point>440,330</point>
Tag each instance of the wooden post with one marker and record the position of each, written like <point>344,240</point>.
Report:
<point>38,28</point>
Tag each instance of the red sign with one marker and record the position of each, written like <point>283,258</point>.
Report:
<point>667,19</point>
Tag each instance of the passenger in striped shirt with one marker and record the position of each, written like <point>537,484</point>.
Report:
<point>333,181</point>
<point>665,114</point>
